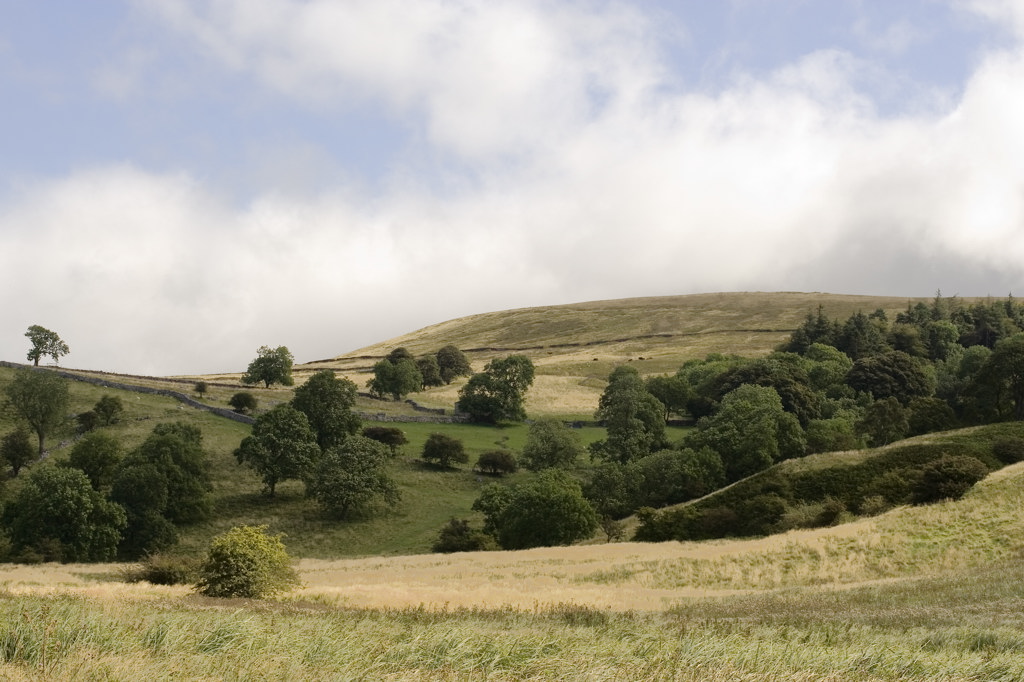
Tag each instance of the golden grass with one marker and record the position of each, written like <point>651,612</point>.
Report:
<point>984,527</point>
<point>574,347</point>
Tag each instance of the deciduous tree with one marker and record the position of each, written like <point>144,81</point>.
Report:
<point>16,450</point>
<point>45,342</point>
<point>41,398</point>
<point>327,402</point>
<point>282,446</point>
<point>350,477</point>
<point>499,392</point>
<point>750,432</point>
<point>98,455</point>
<point>391,436</point>
<point>271,366</point>
<point>548,510</point>
<point>444,450</point>
<point>395,378</point>
<point>550,443</point>
<point>243,402</point>
<point>430,370</point>
<point>634,419</point>
<point>453,364</point>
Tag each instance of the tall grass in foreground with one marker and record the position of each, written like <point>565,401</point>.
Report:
<point>950,628</point>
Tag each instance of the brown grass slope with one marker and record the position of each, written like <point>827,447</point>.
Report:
<point>576,346</point>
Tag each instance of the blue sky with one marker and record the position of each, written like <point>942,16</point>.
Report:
<point>183,181</point>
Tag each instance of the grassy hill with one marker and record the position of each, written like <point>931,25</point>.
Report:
<point>917,593</point>
<point>576,346</point>
<point>564,342</point>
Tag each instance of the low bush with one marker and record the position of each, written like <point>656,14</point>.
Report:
<point>246,562</point>
<point>243,402</point>
<point>1009,450</point>
<point>164,569</point>
<point>458,536</point>
<point>948,478</point>
<point>497,462</point>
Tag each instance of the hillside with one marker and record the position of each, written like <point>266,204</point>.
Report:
<point>575,346</point>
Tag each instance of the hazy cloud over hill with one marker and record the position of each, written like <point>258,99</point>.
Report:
<point>187,181</point>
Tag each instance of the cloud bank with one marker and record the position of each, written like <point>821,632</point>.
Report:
<point>565,162</point>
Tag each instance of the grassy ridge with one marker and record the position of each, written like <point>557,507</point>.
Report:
<point>576,346</point>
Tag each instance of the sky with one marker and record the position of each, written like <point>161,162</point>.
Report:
<point>184,181</point>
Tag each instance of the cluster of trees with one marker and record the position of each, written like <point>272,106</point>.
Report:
<point>315,438</point>
<point>400,374</point>
<point>832,386</point>
<point>101,502</point>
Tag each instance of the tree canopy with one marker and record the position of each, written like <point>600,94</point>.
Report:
<point>452,364</point>
<point>282,446</point>
<point>271,366</point>
<point>499,392</point>
<point>548,510</point>
<point>395,378</point>
<point>634,419</point>
<point>45,343</point>
<point>352,476</point>
<point>59,515</point>
<point>550,443</point>
<point>327,402</point>
<point>750,432</point>
<point>41,398</point>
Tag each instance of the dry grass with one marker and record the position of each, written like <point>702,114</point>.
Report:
<point>985,527</point>
<point>575,347</point>
<point>808,605</point>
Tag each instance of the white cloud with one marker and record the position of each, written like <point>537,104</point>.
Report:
<point>1006,13</point>
<point>639,189</point>
<point>486,77</point>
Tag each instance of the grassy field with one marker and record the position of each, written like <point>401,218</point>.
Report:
<point>930,593</point>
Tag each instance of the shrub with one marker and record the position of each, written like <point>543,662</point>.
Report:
<point>243,402</point>
<point>87,421</point>
<point>388,435</point>
<point>874,505</point>
<point>444,450</point>
<point>948,478</point>
<point>1009,450</point>
<point>497,462</point>
<point>164,569</point>
<point>458,536</point>
<point>246,562</point>
<point>17,450</point>
<point>108,410</point>
<point>895,487</point>
<point>814,515</point>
